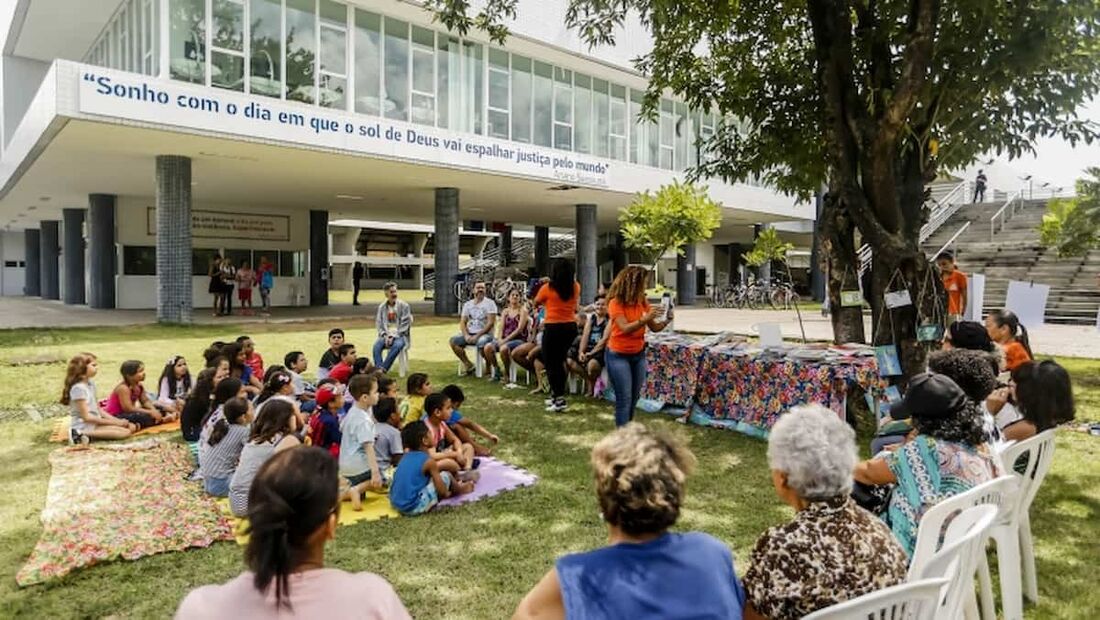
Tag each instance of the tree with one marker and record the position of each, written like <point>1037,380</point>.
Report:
<point>769,248</point>
<point>870,99</point>
<point>1072,225</point>
<point>677,215</point>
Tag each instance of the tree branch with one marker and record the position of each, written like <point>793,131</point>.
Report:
<point>924,14</point>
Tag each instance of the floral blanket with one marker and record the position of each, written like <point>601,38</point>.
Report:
<point>98,509</point>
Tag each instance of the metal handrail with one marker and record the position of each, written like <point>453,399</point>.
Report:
<point>943,211</point>
<point>1000,213</point>
<point>950,241</point>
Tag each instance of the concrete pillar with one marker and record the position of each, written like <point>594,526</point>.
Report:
<point>101,251</point>
<point>174,294</point>
<point>72,251</point>
<point>817,276</point>
<point>685,277</point>
<point>542,251</point>
<point>49,249</point>
<point>318,258</point>
<point>446,250</point>
<point>506,246</point>
<point>32,270</point>
<point>587,269</point>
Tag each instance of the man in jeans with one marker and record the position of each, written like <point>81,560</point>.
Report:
<point>394,320</point>
<point>479,315</point>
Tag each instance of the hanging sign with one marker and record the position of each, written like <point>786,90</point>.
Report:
<point>898,299</point>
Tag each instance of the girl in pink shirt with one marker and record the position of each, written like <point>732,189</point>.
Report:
<point>293,508</point>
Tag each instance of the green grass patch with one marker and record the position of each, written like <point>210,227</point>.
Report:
<point>476,561</point>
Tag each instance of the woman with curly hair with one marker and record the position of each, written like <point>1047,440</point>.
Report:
<point>646,571</point>
<point>976,373</point>
<point>948,454</point>
<point>630,316</point>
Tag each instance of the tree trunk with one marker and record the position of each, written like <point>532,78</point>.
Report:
<point>840,258</point>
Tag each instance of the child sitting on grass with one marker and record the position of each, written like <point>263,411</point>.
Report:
<point>439,411</point>
<point>463,426</point>
<point>272,432</point>
<point>417,388</point>
<point>129,400</point>
<point>358,463</point>
<point>79,394</point>
<point>324,426</point>
<point>387,387</point>
<point>220,445</point>
<point>387,440</point>
<point>420,480</point>
<point>174,384</point>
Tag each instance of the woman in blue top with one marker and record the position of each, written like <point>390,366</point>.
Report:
<point>646,571</point>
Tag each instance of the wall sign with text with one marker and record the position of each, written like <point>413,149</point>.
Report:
<point>230,225</point>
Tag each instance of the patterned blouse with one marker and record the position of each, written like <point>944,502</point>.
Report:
<point>928,471</point>
<point>832,551</point>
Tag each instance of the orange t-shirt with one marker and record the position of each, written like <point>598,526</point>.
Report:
<point>1015,355</point>
<point>626,344</point>
<point>955,283</point>
<point>557,309</point>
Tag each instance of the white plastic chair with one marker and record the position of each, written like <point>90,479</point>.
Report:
<point>403,362</point>
<point>908,601</point>
<point>964,538</point>
<point>479,362</point>
<point>1012,531</point>
<point>513,373</point>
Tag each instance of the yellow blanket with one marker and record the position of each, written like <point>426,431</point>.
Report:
<point>375,506</point>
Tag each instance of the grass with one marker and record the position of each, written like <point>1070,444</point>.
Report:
<point>485,556</point>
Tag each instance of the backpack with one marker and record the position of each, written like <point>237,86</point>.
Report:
<point>267,280</point>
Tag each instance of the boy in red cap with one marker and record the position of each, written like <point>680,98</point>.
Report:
<point>324,426</point>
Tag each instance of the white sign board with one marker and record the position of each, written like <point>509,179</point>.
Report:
<point>771,335</point>
<point>117,94</point>
<point>975,298</point>
<point>230,225</point>
<point>1029,301</point>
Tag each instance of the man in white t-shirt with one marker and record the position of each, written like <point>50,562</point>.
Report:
<point>479,316</point>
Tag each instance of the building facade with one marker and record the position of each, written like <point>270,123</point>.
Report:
<point>142,137</point>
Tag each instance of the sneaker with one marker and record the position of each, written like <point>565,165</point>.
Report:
<point>548,402</point>
<point>77,438</point>
<point>494,375</point>
<point>559,405</point>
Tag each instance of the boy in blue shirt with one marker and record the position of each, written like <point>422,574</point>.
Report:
<point>420,481</point>
<point>464,427</point>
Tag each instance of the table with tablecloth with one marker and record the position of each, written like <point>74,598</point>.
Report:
<point>729,386</point>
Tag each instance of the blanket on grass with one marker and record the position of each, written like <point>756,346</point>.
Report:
<point>60,431</point>
<point>94,503</point>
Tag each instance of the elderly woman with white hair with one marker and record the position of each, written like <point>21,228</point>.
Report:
<point>833,550</point>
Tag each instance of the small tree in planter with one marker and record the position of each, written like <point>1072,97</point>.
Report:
<point>675,216</point>
<point>770,248</point>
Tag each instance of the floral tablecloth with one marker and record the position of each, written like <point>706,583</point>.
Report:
<point>748,392</point>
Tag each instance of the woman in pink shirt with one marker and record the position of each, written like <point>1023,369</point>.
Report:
<point>293,507</point>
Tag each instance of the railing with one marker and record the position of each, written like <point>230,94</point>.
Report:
<point>942,210</point>
<point>950,242</point>
<point>559,245</point>
<point>1005,212</point>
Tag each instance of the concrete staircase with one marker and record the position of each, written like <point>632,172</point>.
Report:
<point>1014,253</point>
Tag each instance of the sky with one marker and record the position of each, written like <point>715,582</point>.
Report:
<point>1057,162</point>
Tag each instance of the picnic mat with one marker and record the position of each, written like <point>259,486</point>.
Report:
<point>375,506</point>
<point>496,478</point>
<point>60,433</point>
<point>120,501</point>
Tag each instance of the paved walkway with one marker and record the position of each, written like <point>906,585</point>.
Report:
<point>23,312</point>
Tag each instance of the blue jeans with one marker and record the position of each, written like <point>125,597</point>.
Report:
<point>218,487</point>
<point>627,374</point>
<point>395,349</point>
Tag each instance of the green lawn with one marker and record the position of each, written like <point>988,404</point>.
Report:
<point>485,556</point>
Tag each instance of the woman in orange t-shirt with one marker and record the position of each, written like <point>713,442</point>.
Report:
<point>630,315</point>
<point>560,296</point>
<point>1005,329</point>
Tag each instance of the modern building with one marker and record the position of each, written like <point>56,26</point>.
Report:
<point>141,137</point>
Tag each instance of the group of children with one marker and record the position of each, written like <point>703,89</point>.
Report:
<point>240,413</point>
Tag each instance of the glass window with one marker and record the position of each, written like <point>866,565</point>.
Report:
<point>563,109</point>
<point>618,122</point>
<point>368,62</point>
<point>473,82</point>
<point>601,125</point>
<point>227,45</point>
<point>272,256</point>
<point>423,76</point>
<point>521,99</point>
<point>396,85</point>
<point>543,96</point>
<point>238,257</point>
<point>333,76</point>
<point>267,48</point>
<point>149,31</point>
<point>139,260</point>
<point>301,50</point>
<point>201,261</point>
<point>638,153</point>
<point>668,133</point>
<point>443,81</point>
<point>292,264</point>
<point>683,135</point>
<point>122,30</point>
<point>499,95</point>
<point>582,119</point>
<point>187,40</point>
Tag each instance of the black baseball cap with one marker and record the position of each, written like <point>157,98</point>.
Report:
<point>929,396</point>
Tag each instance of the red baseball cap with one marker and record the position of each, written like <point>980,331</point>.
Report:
<point>325,396</point>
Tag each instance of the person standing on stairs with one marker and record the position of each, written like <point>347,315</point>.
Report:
<point>979,186</point>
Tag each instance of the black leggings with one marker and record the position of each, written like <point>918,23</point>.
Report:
<point>556,340</point>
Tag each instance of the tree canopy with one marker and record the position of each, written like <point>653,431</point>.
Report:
<point>1072,225</point>
<point>676,215</point>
